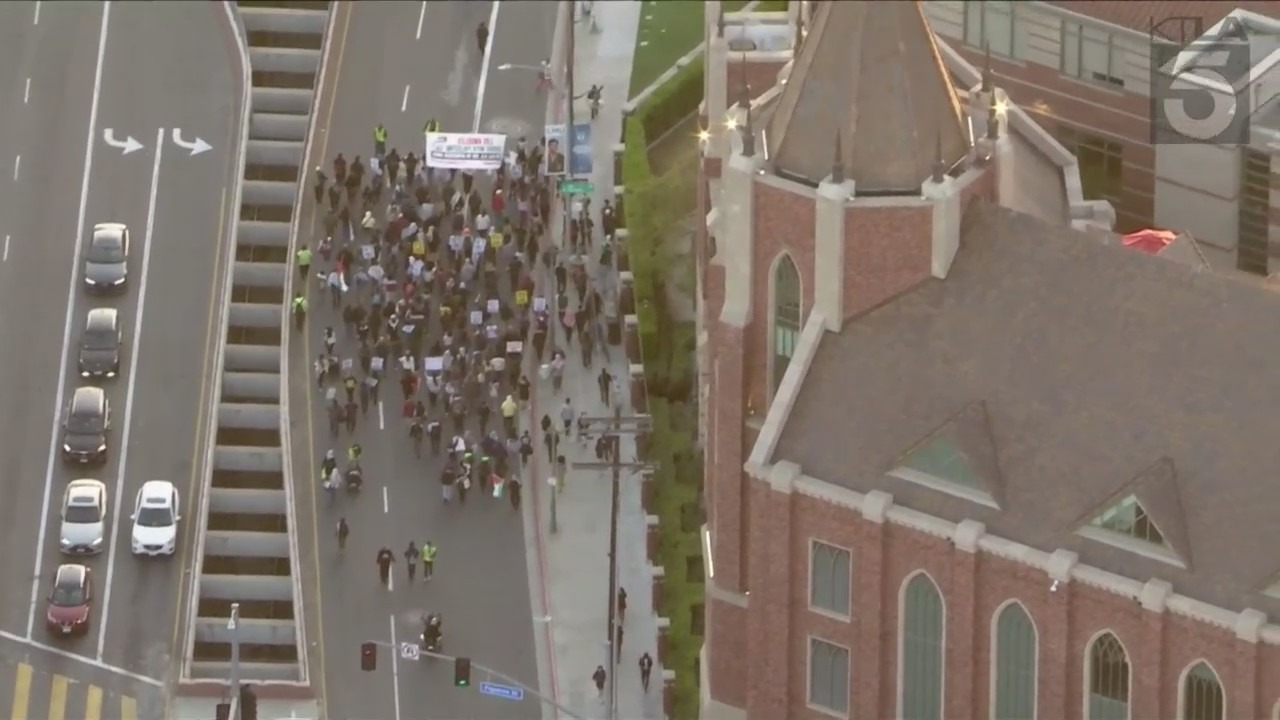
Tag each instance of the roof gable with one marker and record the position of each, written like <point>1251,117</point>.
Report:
<point>958,458</point>
<point>1146,509</point>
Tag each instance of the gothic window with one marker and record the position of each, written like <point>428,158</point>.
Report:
<point>786,316</point>
<point>922,650</point>
<point>1014,677</point>
<point>1202,696</point>
<point>1108,679</point>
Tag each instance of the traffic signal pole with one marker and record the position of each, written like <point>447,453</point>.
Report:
<point>501,676</point>
<point>613,428</point>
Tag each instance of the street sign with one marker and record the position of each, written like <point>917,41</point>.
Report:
<point>409,651</point>
<point>506,692</point>
<point>576,187</point>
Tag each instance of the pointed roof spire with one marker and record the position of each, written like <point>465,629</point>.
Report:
<point>988,81</point>
<point>939,163</point>
<point>837,165</point>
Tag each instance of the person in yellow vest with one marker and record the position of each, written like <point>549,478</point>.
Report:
<point>419,247</point>
<point>303,258</point>
<point>379,141</point>
<point>299,311</point>
<point>428,559</point>
<point>509,409</point>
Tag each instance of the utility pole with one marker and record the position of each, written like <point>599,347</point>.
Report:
<point>233,625</point>
<point>571,19</point>
<point>612,428</point>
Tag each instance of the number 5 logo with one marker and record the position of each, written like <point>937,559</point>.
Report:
<point>1201,93</point>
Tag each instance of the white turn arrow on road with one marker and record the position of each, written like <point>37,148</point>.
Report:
<point>196,147</point>
<point>128,145</point>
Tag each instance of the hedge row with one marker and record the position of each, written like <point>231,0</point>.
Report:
<point>652,206</point>
<point>676,503</point>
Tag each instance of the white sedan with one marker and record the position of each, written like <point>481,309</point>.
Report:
<point>155,519</point>
<point>84,518</point>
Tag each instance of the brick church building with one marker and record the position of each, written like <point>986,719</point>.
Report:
<point>967,455</point>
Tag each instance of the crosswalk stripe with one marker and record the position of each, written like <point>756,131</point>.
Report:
<point>58,698</point>
<point>21,692</point>
<point>93,703</point>
<point>128,708</point>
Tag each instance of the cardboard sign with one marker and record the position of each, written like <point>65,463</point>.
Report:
<point>539,304</point>
<point>367,252</point>
<point>376,364</point>
<point>515,347</point>
<point>433,364</point>
<point>477,317</point>
<point>522,298</point>
<point>493,306</point>
<point>347,363</point>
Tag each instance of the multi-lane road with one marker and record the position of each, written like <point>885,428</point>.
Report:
<point>68,73</point>
<point>401,64</point>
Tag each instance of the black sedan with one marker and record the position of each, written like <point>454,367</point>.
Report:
<point>106,261</point>
<point>100,344</point>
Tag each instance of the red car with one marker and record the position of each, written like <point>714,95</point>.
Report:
<point>68,612</point>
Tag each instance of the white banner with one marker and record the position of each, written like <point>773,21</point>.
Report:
<point>469,151</point>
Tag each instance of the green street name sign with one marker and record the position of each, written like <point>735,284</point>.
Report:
<point>576,187</point>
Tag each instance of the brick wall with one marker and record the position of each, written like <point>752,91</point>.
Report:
<point>1161,646</point>
<point>888,250</point>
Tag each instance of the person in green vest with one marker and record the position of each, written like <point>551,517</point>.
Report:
<point>428,559</point>
<point>299,311</point>
<point>432,126</point>
<point>303,258</point>
<point>379,141</point>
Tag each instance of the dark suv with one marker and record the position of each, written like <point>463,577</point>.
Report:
<point>100,344</point>
<point>85,425</point>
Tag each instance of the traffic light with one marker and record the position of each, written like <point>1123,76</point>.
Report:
<point>368,656</point>
<point>462,671</point>
<point>222,711</point>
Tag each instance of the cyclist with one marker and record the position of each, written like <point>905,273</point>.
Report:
<point>342,532</point>
<point>593,96</point>
<point>544,75</point>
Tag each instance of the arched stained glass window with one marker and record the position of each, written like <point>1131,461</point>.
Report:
<point>786,316</point>
<point>1014,684</point>
<point>1202,696</point>
<point>1108,679</point>
<point>922,650</point>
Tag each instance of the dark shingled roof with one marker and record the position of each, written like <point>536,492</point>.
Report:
<point>871,72</point>
<point>1102,372</point>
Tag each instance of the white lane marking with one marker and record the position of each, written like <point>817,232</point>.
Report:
<point>35,19</point>
<point>484,64</point>
<point>68,321</point>
<point>6,250</point>
<point>134,354</point>
<point>26,94</point>
<point>17,166</point>
<point>404,101</point>
<point>386,501</point>
<point>422,15</point>
<point>391,585</point>
<point>382,417</point>
<point>81,658</point>
<point>395,669</point>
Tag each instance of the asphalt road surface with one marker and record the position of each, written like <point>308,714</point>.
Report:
<point>67,76</point>
<point>481,584</point>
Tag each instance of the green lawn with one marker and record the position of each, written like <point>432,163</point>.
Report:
<point>668,30</point>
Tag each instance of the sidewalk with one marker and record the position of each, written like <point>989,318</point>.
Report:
<point>576,564</point>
